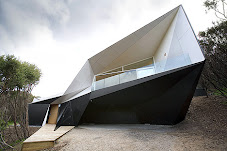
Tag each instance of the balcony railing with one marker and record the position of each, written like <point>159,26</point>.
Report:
<point>116,77</point>
<point>119,77</point>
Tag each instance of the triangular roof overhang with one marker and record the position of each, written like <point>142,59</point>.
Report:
<point>169,30</point>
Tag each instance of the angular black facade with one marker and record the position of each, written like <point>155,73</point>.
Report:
<point>149,76</point>
<point>159,99</point>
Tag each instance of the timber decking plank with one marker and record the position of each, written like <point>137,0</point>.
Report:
<point>47,133</point>
<point>37,146</point>
<point>44,137</point>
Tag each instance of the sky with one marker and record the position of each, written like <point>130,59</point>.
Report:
<point>59,36</point>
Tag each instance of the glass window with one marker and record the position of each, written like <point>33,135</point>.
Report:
<point>139,64</point>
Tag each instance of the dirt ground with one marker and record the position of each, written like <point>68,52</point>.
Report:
<point>11,138</point>
<point>205,128</point>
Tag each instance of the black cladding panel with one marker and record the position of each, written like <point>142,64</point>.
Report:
<point>70,112</point>
<point>161,100</point>
<point>37,113</point>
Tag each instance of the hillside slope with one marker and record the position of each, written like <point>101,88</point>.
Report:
<point>205,128</point>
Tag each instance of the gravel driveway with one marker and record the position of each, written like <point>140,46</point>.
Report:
<point>205,128</point>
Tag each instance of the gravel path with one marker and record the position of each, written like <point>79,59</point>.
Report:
<point>205,128</point>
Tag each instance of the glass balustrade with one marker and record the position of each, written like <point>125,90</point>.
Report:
<point>121,77</point>
<point>116,77</point>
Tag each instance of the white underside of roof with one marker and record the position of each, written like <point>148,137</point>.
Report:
<point>169,39</point>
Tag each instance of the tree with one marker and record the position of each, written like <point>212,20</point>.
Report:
<point>17,80</point>
<point>219,7</point>
<point>214,43</point>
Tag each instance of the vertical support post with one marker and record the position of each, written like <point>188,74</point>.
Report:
<point>93,84</point>
<point>53,114</point>
<point>154,65</point>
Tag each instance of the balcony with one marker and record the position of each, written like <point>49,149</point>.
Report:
<point>137,70</point>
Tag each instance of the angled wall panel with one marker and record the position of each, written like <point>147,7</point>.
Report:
<point>37,113</point>
<point>144,47</point>
<point>156,92</point>
<point>161,54</point>
<point>155,101</point>
<point>133,47</point>
<point>71,111</point>
<point>187,39</point>
<point>82,81</point>
<point>65,116</point>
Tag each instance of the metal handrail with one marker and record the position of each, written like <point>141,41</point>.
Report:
<point>136,70</point>
<point>130,64</point>
<point>156,68</point>
<point>142,68</point>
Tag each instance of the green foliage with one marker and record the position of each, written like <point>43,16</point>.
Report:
<point>17,142</point>
<point>17,79</point>
<point>214,39</point>
<point>210,4</point>
<point>8,71</point>
<point>3,125</point>
<point>10,123</point>
<point>219,7</point>
<point>218,93</point>
<point>214,43</point>
<point>17,75</point>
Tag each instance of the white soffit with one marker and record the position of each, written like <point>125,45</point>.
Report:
<point>170,34</point>
<point>145,47</point>
<point>85,91</point>
<point>162,52</point>
<point>179,42</point>
<point>65,97</point>
<point>82,81</point>
<point>138,45</point>
<point>187,38</point>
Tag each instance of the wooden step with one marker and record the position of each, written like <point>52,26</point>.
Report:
<point>44,137</point>
<point>37,145</point>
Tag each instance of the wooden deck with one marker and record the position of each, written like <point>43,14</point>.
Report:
<point>44,137</point>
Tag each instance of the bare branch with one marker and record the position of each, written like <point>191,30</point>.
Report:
<point>223,7</point>
<point>3,142</point>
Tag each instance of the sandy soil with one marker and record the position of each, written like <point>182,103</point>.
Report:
<point>205,128</point>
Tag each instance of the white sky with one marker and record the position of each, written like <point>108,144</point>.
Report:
<point>60,35</point>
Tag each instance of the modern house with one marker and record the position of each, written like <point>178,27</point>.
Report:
<point>147,77</point>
